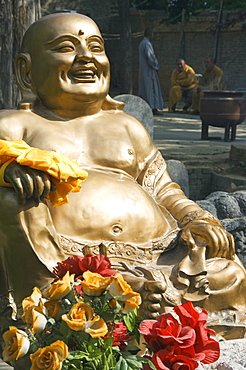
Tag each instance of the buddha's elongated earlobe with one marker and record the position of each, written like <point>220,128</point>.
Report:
<point>22,71</point>
<point>110,103</point>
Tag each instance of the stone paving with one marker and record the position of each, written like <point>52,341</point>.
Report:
<point>178,136</point>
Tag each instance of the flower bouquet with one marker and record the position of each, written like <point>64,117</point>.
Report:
<point>87,319</point>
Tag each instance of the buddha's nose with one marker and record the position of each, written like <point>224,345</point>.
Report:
<point>83,53</point>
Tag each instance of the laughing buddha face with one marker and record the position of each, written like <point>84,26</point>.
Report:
<point>68,61</point>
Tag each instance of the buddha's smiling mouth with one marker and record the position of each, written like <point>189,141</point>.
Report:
<point>83,74</point>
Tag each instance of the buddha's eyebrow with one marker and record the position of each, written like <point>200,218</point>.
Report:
<point>95,37</point>
<point>62,38</point>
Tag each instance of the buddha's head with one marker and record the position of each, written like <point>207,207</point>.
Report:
<point>63,63</point>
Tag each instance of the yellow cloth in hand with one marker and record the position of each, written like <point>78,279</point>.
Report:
<point>65,173</point>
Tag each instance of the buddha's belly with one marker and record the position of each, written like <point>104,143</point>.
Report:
<point>112,207</point>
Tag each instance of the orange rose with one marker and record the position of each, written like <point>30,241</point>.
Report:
<point>16,344</point>
<point>60,288</point>
<point>49,358</point>
<point>121,290</point>
<point>94,284</point>
<point>81,317</point>
<point>35,320</point>
<point>54,309</point>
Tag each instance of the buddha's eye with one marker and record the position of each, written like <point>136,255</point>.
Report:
<point>95,47</point>
<point>64,47</point>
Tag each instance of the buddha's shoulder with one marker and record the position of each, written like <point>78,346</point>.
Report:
<point>14,115</point>
<point>13,123</point>
<point>122,117</point>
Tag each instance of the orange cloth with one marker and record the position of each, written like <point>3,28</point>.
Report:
<point>65,173</point>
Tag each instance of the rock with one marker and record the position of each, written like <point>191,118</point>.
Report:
<point>179,174</point>
<point>230,209</point>
<point>238,153</point>
<point>138,108</point>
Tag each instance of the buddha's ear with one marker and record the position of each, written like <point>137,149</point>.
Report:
<point>22,71</point>
<point>112,104</point>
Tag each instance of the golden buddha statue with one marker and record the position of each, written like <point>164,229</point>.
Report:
<point>164,244</point>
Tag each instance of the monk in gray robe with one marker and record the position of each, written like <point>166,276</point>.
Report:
<point>149,85</point>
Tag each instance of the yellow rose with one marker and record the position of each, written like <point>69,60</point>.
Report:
<point>132,303</point>
<point>120,289</point>
<point>54,309</point>
<point>49,358</point>
<point>35,320</point>
<point>60,288</point>
<point>16,344</point>
<point>97,327</point>
<point>34,299</point>
<point>94,284</point>
<point>81,316</point>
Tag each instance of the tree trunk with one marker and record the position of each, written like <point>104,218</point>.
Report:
<point>182,36</point>
<point>216,46</point>
<point>126,47</point>
<point>16,16</point>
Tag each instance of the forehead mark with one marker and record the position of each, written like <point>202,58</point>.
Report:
<point>80,33</point>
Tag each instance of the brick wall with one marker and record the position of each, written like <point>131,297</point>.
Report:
<point>203,181</point>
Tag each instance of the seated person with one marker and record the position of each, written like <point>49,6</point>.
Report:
<point>212,79</point>
<point>184,81</point>
<point>165,245</point>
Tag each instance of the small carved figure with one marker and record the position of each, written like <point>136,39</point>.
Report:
<point>165,245</point>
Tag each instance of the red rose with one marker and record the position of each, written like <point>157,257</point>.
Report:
<point>78,265</point>
<point>166,360</point>
<point>99,264</point>
<point>120,334</point>
<point>166,330</point>
<point>71,265</point>
<point>207,349</point>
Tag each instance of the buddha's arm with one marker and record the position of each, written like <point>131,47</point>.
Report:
<point>198,226</point>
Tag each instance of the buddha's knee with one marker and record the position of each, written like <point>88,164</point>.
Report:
<point>227,285</point>
<point>223,273</point>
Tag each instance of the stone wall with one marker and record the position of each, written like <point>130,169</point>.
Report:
<point>203,181</point>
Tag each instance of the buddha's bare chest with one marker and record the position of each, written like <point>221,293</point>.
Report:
<point>90,145</point>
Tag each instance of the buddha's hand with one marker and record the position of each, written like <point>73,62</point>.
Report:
<point>152,296</point>
<point>218,242</point>
<point>151,292</point>
<point>27,182</point>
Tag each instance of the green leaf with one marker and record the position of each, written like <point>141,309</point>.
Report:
<point>108,341</point>
<point>123,365</point>
<point>132,349</point>
<point>130,321</point>
<point>64,329</point>
<point>118,364</point>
